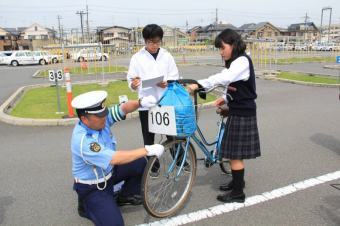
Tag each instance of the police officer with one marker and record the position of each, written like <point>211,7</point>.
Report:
<point>96,164</point>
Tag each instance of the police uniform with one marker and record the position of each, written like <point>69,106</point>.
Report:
<point>92,151</point>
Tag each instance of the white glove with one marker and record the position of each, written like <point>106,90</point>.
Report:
<point>155,149</point>
<point>148,102</point>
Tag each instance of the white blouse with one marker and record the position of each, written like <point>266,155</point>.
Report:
<point>238,70</point>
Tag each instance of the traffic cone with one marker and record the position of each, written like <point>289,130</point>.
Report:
<point>68,91</point>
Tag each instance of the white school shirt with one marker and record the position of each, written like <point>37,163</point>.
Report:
<point>144,65</point>
<point>238,70</point>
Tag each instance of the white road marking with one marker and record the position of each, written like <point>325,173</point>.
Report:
<point>253,200</point>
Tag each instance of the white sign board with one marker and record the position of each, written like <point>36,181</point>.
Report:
<point>53,75</point>
<point>162,120</point>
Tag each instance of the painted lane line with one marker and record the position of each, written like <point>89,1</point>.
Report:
<point>253,200</point>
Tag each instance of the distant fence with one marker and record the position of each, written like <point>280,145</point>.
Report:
<point>265,55</point>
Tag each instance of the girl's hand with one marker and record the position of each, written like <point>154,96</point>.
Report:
<point>191,88</point>
<point>220,101</point>
<point>162,84</point>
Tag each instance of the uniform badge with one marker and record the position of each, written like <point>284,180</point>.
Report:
<point>95,147</point>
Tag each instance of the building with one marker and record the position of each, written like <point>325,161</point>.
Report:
<point>262,30</point>
<point>207,34</point>
<point>115,35</point>
<point>303,32</point>
<point>7,40</point>
<point>330,34</point>
<point>35,37</point>
<point>174,37</point>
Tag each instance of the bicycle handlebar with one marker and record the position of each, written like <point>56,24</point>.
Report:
<point>201,89</point>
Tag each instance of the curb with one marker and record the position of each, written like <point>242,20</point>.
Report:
<point>301,83</point>
<point>10,103</point>
<point>336,66</point>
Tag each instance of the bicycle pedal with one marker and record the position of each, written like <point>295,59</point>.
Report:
<point>207,163</point>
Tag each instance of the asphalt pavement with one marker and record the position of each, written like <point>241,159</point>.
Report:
<point>299,132</point>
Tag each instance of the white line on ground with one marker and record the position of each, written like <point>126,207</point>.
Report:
<point>253,200</point>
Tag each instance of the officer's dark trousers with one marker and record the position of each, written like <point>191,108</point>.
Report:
<point>100,206</point>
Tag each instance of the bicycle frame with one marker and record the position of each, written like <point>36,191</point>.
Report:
<point>213,156</point>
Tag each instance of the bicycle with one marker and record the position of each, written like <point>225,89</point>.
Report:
<point>166,191</point>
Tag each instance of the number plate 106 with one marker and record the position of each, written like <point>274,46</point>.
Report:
<point>162,120</point>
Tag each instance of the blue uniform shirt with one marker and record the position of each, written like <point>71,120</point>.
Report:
<point>94,148</point>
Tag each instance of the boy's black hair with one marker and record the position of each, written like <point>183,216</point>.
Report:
<point>152,31</point>
<point>231,37</point>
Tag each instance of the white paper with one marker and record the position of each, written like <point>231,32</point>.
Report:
<point>148,83</point>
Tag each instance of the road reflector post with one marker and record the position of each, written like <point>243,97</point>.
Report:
<point>68,92</point>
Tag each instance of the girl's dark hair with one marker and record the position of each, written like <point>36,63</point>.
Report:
<point>152,31</point>
<point>231,37</point>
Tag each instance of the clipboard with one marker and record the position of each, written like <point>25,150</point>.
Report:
<point>149,83</point>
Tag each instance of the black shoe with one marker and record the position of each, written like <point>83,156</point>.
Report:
<point>229,186</point>
<point>229,197</point>
<point>129,200</point>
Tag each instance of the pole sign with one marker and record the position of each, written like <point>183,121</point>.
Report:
<point>338,59</point>
<point>55,75</point>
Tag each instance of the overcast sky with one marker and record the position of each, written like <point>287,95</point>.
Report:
<point>19,13</point>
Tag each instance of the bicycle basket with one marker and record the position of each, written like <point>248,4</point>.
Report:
<point>185,117</point>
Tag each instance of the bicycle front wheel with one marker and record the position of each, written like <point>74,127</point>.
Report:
<point>165,188</point>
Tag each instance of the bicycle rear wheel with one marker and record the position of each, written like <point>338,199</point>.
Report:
<point>164,192</point>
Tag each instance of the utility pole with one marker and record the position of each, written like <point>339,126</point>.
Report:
<point>306,30</point>
<point>216,16</point>
<point>81,13</point>
<point>59,18</point>
<point>329,24</point>
<point>216,22</point>
<point>87,23</point>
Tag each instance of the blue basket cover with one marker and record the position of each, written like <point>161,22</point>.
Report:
<point>178,97</point>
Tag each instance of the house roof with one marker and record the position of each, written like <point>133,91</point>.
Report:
<point>254,27</point>
<point>249,26</point>
<point>297,26</point>
<point>214,27</point>
<point>99,29</point>
<point>13,31</point>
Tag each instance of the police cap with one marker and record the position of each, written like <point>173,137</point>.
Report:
<point>91,103</point>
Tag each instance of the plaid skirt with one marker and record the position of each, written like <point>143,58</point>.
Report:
<point>241,138</point>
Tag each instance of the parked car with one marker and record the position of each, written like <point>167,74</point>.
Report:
<point>89,55</point>
<point>300,47</point>
<point>42,57</point>
<point>7,52</point>
<point>2,58</point>
<point>20,57</point>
